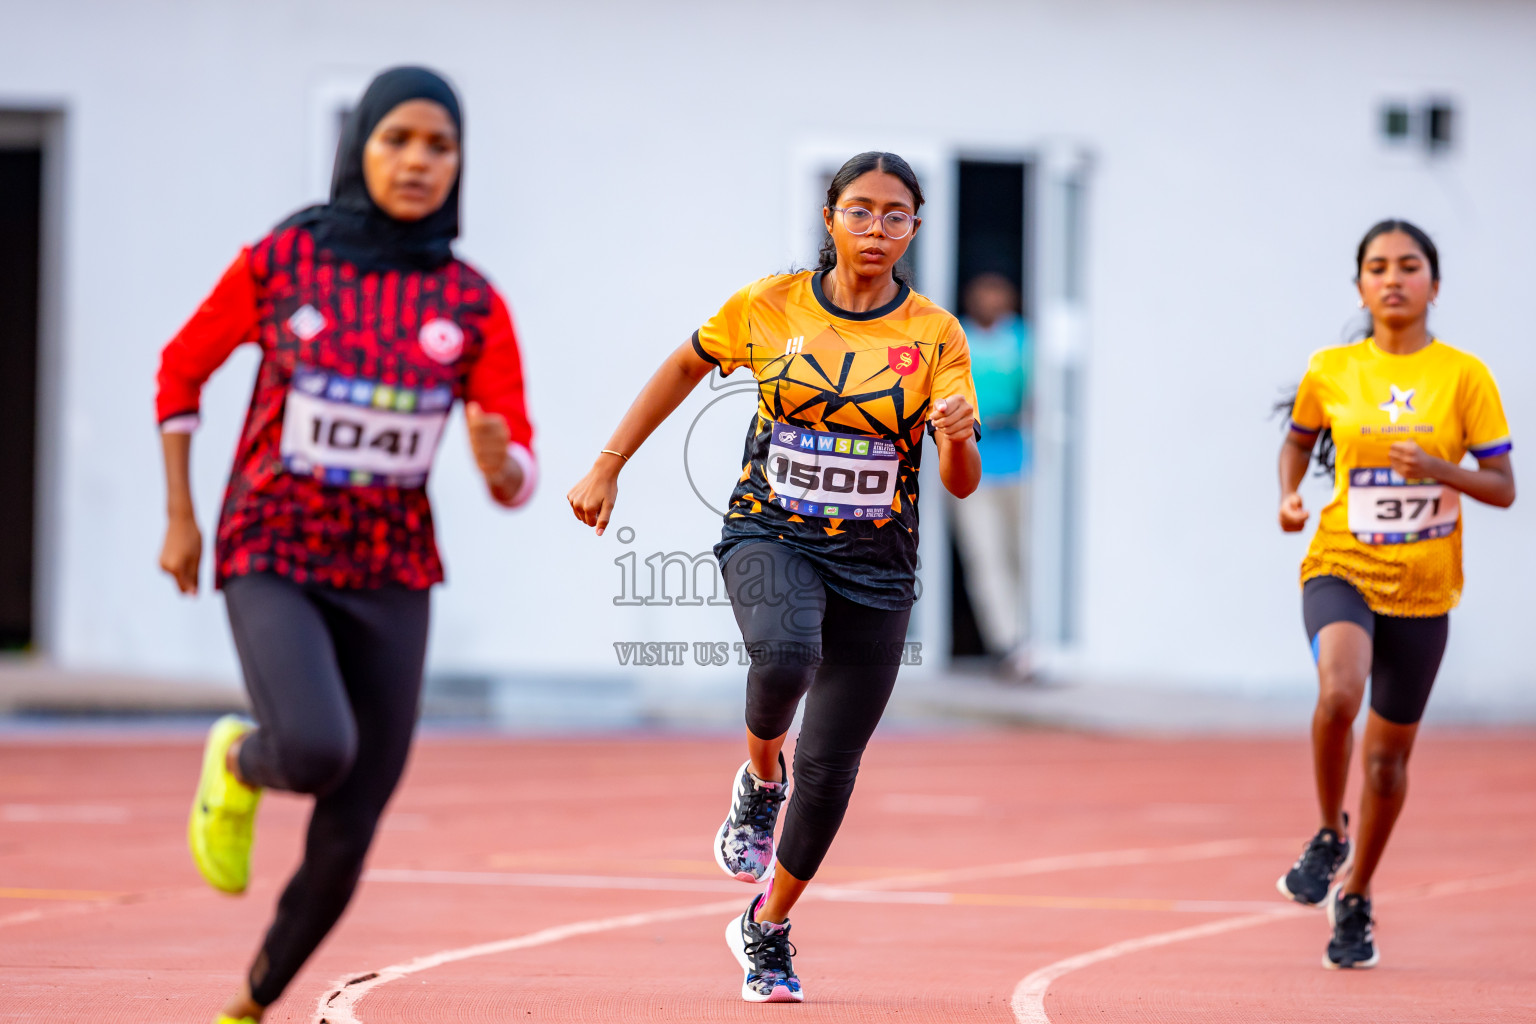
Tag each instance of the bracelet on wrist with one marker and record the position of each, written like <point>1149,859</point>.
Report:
<point>610,451</point>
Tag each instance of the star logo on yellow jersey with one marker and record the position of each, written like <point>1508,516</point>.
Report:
<point>1400,402</point>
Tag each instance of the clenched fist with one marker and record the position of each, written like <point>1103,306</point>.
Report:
<point>1412,462</point>
<point>1293,513</point>
<point>182,551</point>
<point>489,438</point>
<point>954,418</point>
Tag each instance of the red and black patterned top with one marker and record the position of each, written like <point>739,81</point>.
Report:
<point>358,374</point>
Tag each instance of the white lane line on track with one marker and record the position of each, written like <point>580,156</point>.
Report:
<point>336,1006</point>
<point>113,902</point>
<point>831,893</point>
<point>64,814</point>
<point>1028,1000</point>
<point>28,916</point>
<point>1029,995</point>
<point>550,881</point>
<point>1009,869</point>
<point>1080,861</point>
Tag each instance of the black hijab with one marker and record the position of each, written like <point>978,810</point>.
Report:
<point>351,225</point>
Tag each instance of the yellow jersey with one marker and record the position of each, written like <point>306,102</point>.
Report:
<point>1396,541</point>
<point>831,458</point>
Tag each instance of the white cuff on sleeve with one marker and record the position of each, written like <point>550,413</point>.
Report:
<point>530,467</point>
<point>186,423</point>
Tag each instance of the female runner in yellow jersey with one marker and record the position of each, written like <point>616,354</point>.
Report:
<point>1397,413</point>
<point>819,544</point>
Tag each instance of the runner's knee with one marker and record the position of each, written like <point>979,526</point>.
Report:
<point>317,764</point>
<point>1386,771</point>
<point>347,834</point>
<point>781,672</point>
<point>825,780</point>
<point>1339,701</point>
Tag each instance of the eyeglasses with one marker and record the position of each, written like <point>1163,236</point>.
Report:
<point>859,221</point>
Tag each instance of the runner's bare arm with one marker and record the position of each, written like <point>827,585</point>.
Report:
<point>1492,482</point>
<point>1295,453</point>
<point>225,320</point>
<point>593,497</point>
<point>183,547</point>
<point>959,460</point>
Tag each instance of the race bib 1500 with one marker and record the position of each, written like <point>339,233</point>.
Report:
<point>1386,509</point>
<point>358,433</point>
<point>835,476</point>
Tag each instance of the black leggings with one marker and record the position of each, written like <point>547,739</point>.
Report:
<point>802,636</point>
<point>1405,651</point>
<point>334,677</point>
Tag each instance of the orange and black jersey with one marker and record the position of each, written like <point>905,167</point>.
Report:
<point>831,457</point>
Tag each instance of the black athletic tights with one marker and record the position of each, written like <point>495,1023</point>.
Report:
<point>334,677</point>
<point>803,636</point>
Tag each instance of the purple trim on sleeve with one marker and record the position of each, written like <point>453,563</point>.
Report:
<point>1492,449</point>
<point>1303,430</point>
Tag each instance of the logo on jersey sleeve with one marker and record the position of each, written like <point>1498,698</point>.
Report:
<point>306,322</point>
<point>903,358</point>
<point>441,339</point>
<point>1400,402</point>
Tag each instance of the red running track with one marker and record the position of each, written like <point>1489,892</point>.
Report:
<point>988,876</point>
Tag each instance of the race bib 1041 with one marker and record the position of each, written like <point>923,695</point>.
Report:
<point>1386,509</point>
<point>358,433</point>
<point>834,476</point>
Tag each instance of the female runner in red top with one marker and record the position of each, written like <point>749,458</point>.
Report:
<point>370,330</point>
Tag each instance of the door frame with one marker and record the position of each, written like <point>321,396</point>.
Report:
<point>1063,172</point>
<point>1056,182</point>
<point>42,126</point>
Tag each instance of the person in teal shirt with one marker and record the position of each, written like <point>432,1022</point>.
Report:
<point>991,524</point>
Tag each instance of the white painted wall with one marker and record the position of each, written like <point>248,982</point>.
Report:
<point>630,165</point>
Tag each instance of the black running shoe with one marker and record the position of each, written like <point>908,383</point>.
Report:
<point>764,952</point>
<point>744,844</point>
<point>1324,858</point>
<point>1354,941</point>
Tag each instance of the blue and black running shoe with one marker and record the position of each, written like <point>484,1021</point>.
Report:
<point>1325,857</point>
<point>1353,945</point>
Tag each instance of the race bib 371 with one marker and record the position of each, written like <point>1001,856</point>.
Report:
<point>1386,509</point>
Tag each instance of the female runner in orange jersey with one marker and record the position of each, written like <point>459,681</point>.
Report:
<point>819,543</point>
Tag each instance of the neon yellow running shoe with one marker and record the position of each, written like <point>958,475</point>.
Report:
<point>223,821</point>
<point>236,1020</point>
